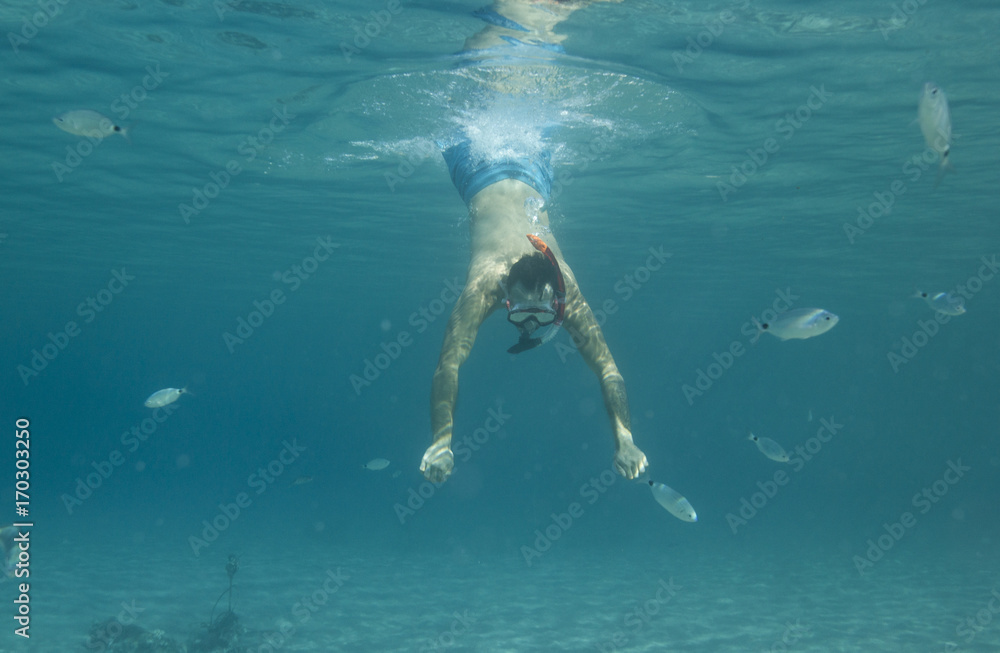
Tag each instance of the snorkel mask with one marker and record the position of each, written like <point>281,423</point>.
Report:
<point>549,310</point>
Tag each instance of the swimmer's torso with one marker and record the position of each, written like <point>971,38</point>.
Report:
<point>499,227</point>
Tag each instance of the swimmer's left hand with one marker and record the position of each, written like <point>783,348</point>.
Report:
<point>630,462</point>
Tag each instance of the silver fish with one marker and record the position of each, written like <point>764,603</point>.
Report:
<point>943,302</point>
<point>673,501</point>
<point>935,122</point>
<point>163,397</point>
<point>801,323</point>
<point>770,448</point>
<point>84,122</point>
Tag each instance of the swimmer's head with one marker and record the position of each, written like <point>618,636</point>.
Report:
<point>533,299</point>
<point>530,310</point>
<point>531,278</point>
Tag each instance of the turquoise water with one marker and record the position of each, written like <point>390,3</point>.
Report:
<point>528,546</point>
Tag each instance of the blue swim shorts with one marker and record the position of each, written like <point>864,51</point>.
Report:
<point>471,177</point>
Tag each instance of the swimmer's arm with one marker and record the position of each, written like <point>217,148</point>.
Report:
<point>477,301</point>
<point>589,340</point>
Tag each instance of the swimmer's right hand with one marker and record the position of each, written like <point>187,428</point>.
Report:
<point>630,462</point>
<point>438,462</point>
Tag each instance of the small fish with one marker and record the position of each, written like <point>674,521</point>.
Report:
<point>935,123</point>
<point>672,500</point>
<point>770,448</point>
<point>85,122</point>
<point>302,480</point>
<point>809,418</point>
<point>943,302</point>
<point>163,397</point>
<point>376,464</point>
<point>801,323</point>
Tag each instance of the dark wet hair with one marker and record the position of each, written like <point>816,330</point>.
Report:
<point>533,272</point>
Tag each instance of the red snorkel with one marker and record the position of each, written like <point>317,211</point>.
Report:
<point>561,286</point>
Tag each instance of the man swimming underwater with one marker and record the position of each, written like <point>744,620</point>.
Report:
<point>515,261</point>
